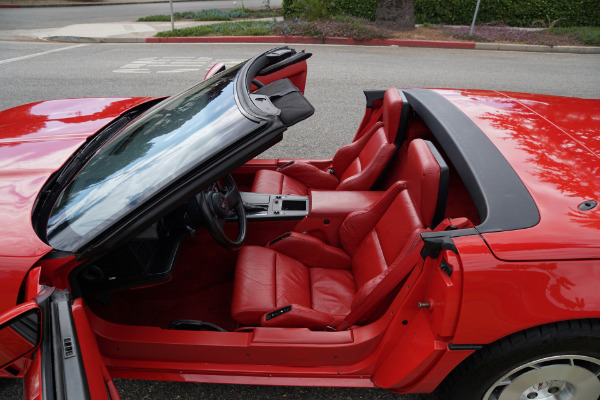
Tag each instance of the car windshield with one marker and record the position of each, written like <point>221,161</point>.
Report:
<point>150,154</point>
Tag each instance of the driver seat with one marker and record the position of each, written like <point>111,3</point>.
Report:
<point>299,281</point>
<point>356,166</point>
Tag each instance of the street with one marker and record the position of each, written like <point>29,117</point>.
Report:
<point>32,71</point>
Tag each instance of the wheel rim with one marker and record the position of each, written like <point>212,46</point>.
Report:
<point>565,377</point>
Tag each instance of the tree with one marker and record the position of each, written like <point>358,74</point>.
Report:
<point>396,14</point>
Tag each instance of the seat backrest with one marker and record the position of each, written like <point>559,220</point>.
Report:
<point>383,236</point>
<point>359,164</point>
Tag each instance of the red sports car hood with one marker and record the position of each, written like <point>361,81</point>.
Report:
<point>36,140</point>
<point>553,144</point>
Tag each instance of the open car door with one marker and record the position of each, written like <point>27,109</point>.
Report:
<point>48,340</point>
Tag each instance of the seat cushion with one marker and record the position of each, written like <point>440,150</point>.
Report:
<point>268,181</point>
<point>266,280</point>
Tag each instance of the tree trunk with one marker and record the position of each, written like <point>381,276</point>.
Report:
<point>396,14</point>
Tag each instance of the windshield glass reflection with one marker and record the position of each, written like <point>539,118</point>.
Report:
<point>146,157</point>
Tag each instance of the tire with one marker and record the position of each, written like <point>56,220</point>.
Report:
<point>558,361</point>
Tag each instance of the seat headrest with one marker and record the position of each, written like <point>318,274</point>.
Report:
<point>392,111</point>
<point>427,179</point>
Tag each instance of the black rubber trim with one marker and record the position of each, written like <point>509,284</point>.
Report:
<point>47,374</point>
<point>444,185</point>
<point>433,245</point>
<point>501,198</point>
<point>70,380</point>
<point>286,62</point>
<point>463,347</point>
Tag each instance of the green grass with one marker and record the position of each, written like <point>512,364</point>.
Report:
<point>242,28</point>
<point>586,34</point>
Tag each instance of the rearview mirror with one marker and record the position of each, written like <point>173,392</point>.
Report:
<point>19,336</point>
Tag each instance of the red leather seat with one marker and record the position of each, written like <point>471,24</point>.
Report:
<point>356,166</point>
<point>325,285</point>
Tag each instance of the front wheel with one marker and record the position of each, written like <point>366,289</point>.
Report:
<point>557,361</point>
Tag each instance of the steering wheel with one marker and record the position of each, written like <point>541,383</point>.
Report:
<point>217,202</point>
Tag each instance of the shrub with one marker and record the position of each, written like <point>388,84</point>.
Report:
<point>495,33</point>
<point>359,8</point>
<point>587,35</point>
<point>354,28</point>
<point>316,9</point>
<point>512,12</point>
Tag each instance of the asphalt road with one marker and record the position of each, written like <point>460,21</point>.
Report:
<point>56,17</point>
<point>337,75</point>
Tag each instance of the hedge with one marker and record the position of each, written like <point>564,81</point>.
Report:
<point>460,12</point>
<point>358,8</point>
<point>511,12</point>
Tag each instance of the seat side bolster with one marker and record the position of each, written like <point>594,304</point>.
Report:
<point>367,177</point>
<point>302,317</point>
<point>358,223</point>
<point>311,176</point>
<point>346,154</point>
<point>312,251</point>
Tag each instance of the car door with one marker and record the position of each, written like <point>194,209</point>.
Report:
<point>48,340</point>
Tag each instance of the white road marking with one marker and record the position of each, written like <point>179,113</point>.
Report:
<point>171,65</point>
<point>9,60</point>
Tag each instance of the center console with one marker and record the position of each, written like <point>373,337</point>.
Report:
<point>261,206</point>
<point>321,214</point>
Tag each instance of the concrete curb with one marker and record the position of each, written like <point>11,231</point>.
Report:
<point>379,42</point>
<point>338,41</point>
<point>537,48</point>
<point>308,40</point>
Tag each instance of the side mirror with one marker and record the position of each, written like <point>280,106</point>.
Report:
<point>19,336</point>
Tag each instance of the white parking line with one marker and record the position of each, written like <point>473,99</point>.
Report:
<point>171,65</point>
<point>9,60</point>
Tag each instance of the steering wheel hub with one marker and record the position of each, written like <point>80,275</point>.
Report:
<point>219,203</point>
<point>216,204</point>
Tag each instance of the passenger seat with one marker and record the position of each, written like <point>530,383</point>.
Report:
<point>356,166</point>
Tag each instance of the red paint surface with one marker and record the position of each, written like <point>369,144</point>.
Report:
<point>35,140</point>
<point>553,144</point>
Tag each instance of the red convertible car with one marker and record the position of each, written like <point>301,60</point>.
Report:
<point>453,245</point>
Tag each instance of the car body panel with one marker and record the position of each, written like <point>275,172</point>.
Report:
<point>558,166</point>
<point>36,140</point>
<point>500,297</point>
